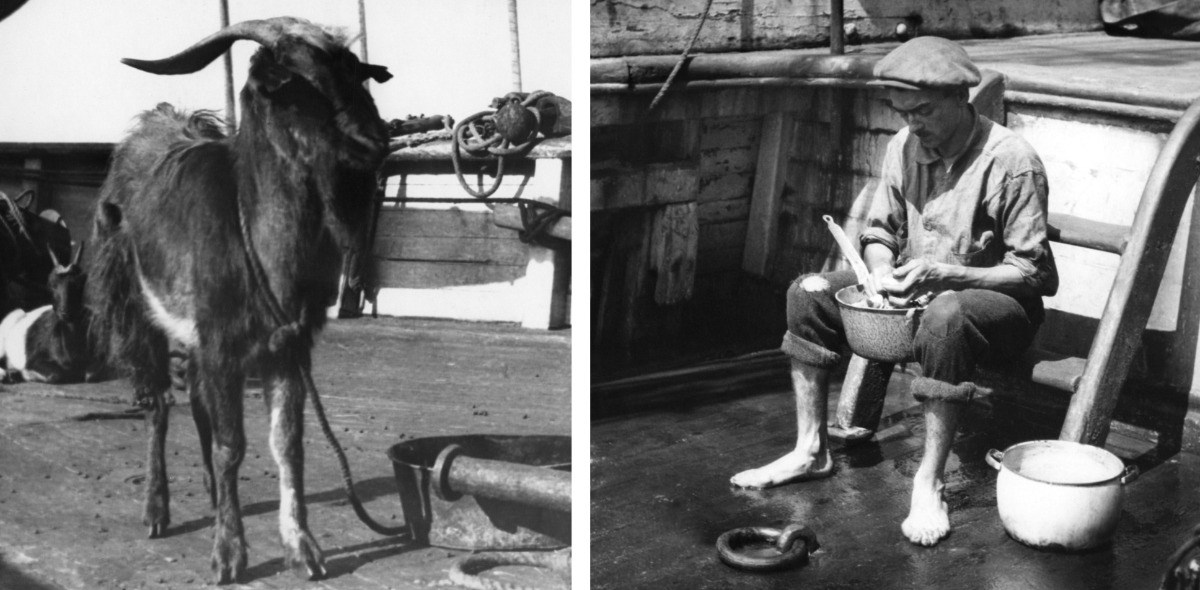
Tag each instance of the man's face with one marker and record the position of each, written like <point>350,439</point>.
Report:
<point>931,115</point>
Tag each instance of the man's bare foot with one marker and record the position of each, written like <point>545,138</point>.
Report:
<point>792,467</point>
<point>929,518</point>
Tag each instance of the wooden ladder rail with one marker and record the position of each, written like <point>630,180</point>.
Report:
<point>1133,292</point>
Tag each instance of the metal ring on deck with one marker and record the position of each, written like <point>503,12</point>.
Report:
<point>792,546</point>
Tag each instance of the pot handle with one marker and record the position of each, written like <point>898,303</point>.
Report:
<point>1129,474</point>
<point>994,458</point>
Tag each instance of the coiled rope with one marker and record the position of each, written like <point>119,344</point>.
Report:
<point>477,135</point>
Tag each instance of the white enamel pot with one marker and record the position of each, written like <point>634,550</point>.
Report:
<point>1059,495</point>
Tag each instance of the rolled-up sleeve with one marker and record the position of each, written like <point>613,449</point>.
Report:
<point>888,213</point>
<point>1026,242</point>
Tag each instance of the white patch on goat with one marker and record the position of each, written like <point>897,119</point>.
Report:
<point>14,332</point>
<point>181,329</point>
<point>814,284</point>
<point>289,528</point>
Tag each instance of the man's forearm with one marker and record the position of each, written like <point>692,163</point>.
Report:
<point>877,256</point>
<point>1004,278</point>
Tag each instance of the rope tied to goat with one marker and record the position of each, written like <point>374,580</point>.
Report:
<point>286,336</point>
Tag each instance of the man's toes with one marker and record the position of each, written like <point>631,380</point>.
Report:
<point>752,479</point>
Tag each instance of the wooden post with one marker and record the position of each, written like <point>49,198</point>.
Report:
<point>837,35</point>
<point>770,173</point>
<point>230,104</point>
<point>514,39</point>
<point>547,274</point>
<point>860,405</point>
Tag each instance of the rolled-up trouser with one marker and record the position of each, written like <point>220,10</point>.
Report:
<point>958,330</point>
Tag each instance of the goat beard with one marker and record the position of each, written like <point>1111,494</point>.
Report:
<point>347,201</point>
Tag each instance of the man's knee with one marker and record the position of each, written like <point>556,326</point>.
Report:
<point>943,318</point>
<point>802,297</point>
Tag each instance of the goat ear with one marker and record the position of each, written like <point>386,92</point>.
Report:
<point>78,254</point>
<point>110,216</point>
<point>271,78</point>
<point>377,73</point>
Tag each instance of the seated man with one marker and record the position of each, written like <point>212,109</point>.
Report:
<point>960,211</point>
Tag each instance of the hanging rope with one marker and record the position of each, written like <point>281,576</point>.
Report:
<point>682,59</point>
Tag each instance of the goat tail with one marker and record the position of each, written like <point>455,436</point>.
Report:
<point>347,479</point>
<point>117,326</point>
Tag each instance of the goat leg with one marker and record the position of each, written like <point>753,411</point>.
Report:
<point>285,399</point>
<point>221,386</point>
<point>157,512</point>
<point>204,429</point>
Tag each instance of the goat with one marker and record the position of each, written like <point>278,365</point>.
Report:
<point>26,238</point>
<point>202,237</point>
<point>50,344</point>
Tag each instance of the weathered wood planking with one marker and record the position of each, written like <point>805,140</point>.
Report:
<point>434,275</point>
<point>721,246</point>
<point>723,210</point>
<point>452,249</point>
<point>620,186</point>
<point>673,247</point>
<point>453,222</point>
<point>778,131</point>
<point>434,248</point>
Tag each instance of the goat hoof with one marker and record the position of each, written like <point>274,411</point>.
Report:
<point>157,514</point>
<point>229,560</point>
<point>306,559</point>
<point>156,519</point>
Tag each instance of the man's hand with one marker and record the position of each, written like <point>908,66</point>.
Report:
<point>913,278</point>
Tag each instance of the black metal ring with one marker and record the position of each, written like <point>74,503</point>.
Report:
<point>441,473</point>
<point>789,552</point>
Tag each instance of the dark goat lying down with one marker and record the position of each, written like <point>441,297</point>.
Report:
<point>49,344</point>
<point>185,210</point>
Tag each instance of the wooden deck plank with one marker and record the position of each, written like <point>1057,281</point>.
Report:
<point>70,491</point>
<point>660,498</point>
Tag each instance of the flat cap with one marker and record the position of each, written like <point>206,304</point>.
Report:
<point>925,63</point>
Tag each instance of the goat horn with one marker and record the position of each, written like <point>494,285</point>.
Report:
<point>266,32</point>
<point>78,254</point>
<point>54,258</point>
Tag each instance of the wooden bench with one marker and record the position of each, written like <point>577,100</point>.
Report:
<point>1096,381</point>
